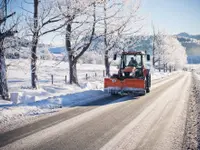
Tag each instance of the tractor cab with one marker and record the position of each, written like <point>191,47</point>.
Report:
<point>133,64</point>
<point>132,60</point>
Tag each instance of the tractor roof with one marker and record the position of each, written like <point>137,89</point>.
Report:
<point>134,53</point>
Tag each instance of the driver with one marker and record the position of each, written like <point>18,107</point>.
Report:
<point>132,62</point>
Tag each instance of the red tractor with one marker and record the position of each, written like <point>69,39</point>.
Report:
<point>133,76</point>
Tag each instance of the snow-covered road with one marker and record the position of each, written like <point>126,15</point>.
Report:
<point>154,121</point>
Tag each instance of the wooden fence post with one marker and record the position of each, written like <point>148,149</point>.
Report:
<point>51,79</point>
<point>86,76</point>
<point>65,79</point>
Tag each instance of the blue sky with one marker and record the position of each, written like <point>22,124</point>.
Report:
<point>173,16</point>
<point>170,16</point>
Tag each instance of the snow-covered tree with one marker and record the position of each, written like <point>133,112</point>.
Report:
<point>168,51</point>
<point>91,57</point>
<point>7,29</point>
<point>117,23</point>
<point>177,56</point>
<point>45,20</point>
<point>80,19</point>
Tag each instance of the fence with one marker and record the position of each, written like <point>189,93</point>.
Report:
<point>87,77</point>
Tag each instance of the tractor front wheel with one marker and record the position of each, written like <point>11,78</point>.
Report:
<point>148,83</point>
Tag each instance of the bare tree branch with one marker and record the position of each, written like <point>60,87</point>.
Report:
<point>91,36</point>
<point>7,34</point>
<point>6,17</point>
<point>52,30</point>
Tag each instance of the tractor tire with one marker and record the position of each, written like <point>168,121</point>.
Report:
<point>147,90</point>
<point>148,83</point>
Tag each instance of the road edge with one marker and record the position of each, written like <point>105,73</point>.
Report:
<point>192,126</point>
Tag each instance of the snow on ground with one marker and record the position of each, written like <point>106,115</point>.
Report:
<point>50,98</point>
<point>158,75</point>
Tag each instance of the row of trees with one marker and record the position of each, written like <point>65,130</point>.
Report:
<point>78,22</point>
<point>168,52</point>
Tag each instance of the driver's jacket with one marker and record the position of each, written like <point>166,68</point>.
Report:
<point>133,63</point>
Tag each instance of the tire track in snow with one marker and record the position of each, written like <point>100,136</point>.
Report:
<point>175,108</point>
<point>139,130</point>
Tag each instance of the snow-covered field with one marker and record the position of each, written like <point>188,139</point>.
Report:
<point>50,98</point>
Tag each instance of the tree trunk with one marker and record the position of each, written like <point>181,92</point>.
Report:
<point>107,64</point>
<point>33,66</point>
<point>73,54</point>
<point>164,68</point>
<point>34,46</point>
<point>72,72</point>
<point>159,65</point>
<point>3,75</point>
<point>106,57</point>
<point>153,50</point>
<point>72,63</point>
<point>153,47</point>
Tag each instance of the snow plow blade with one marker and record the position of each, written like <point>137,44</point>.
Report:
<point>133,86</point>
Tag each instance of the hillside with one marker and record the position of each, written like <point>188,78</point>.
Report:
<point>192,45</point>
<point>186,35</point>
<point>190,42</point>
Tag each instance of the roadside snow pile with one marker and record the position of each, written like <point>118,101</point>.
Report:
<point>72,100</point>
<point>21,98</point>
<point>27,96</point>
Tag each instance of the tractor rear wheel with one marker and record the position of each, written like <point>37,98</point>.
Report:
<point>148,83</point>
<point>147,90</point>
